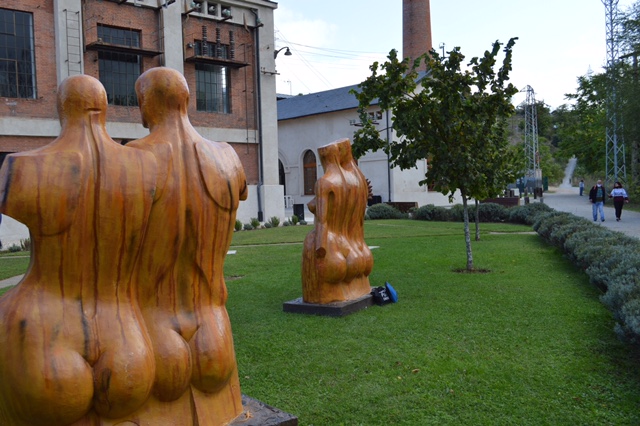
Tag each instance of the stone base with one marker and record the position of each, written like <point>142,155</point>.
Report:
<point>258,414</point>
<point>335,309</point>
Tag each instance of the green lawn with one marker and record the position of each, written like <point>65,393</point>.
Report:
<point>525,344</point>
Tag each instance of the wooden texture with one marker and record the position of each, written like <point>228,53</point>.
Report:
<point>121,318</point>
<point>336,261</point>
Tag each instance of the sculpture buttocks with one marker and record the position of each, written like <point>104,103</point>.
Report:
<point>336,261</point>
<point>75,347</point>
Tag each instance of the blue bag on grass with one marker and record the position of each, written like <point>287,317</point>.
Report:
<point>393,294</point>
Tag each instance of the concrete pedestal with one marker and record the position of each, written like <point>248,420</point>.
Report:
<point>258,414</point>
<point>335,309</point>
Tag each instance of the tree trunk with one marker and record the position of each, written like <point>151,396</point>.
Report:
<point>477,222</point>
<point>467,234</point>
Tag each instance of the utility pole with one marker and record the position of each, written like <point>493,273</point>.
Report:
<point>615,153</point>
<point>533,173</point>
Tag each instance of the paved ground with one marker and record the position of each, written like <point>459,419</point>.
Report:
<point>569,200</point>
<point>562,199</point>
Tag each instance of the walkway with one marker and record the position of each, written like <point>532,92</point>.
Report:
<point>569,200</point>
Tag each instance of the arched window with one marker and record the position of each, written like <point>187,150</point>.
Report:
<point>281,175</point>
<point>310,172</point>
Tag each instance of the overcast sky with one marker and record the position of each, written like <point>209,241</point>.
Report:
<point>334,42</point>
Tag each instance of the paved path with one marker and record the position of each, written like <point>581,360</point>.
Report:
<point>569,200</point>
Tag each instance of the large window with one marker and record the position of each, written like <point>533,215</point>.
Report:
<point>310,172</point>
<point>119,70</point>
<point>17,60</point>
<point>212,88</point>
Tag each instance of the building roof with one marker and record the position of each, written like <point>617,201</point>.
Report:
<point>323,102</point>
<point>318,103</point>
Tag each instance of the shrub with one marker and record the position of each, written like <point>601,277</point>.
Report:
<point>431,212</point>
<point>268,225</point>
<point>274,221</point>
<point>255,222</point>
<point>491,212</point>
<point>286,223</point>
<point>14,248</point>
<point>303,222</point>
<point>384,211</point>
<point>610,259</point>
<point>528,213</point>
<point>294,220</point>
<point>25,244</point>
<point>238,225</point>
<point>248,227</point>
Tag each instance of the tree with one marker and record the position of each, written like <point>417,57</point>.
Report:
<point>456,118</point>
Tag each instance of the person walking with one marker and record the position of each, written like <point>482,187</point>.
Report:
<point>581,186</point>
<point>597,195</point>
<point>620,197</point>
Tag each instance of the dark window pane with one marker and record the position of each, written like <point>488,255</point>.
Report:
<point>17,61</point>
<point>212,93</point>
<point>119,71</point>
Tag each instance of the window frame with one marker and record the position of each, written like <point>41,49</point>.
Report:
<point>21,82</point>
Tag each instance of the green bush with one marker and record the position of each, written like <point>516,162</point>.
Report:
<point>268,225</point>
<point>610,259</point>
<point>255,223</point>
<point>274,221</point>
<point>248,227</point>
<point>238,226</point>
<point>14,248</point>
<point>490,212</point>
<point>431,212</point>
<point>384,211</point>
<point>528,213</point>
<point>294,220</point>
<point>25,244</point>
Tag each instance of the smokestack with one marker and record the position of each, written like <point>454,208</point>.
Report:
<point>416,29</point>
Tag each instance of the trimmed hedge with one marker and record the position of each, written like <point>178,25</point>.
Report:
<point>384,211</point>
<point>610,259</point>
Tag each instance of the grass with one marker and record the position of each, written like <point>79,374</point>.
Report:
<point>526,344</point>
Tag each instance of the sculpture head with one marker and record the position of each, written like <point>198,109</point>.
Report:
<point>346,156</point>
<point>161,92</point>
<point>329,154</point>
<point>79,96</point>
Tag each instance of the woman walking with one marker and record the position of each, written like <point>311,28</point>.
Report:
<point>620,197</point>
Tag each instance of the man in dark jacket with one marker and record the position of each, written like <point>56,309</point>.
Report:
<point>597,195</point>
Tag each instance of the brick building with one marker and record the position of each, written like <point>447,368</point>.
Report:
<point>225,49</point>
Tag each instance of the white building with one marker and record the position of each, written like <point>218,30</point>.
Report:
<point>308,122</point>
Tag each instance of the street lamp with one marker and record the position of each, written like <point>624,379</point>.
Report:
<point>286,53</point>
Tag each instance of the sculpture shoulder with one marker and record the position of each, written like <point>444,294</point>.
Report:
<point>222,173</point>
<point>42,188</point>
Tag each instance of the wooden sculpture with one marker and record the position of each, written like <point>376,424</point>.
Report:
<point>73,345</point>
<point>336,261</point>
<point>121,319</point>
<point>181,281</point>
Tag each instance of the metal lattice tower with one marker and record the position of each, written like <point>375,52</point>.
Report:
<point>533,174</point>
<point>615,155</point>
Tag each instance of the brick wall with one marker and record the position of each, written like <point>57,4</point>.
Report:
<point>44,106</point>
<point>145,20</point>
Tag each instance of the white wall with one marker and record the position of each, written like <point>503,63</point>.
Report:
<point>298,135</point>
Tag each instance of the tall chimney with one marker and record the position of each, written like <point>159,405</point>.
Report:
<point>416,29</point>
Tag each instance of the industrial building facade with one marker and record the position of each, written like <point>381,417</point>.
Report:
<point>223,48</point>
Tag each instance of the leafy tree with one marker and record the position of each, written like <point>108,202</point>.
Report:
<point>456,118</point>
<point>582,129</point>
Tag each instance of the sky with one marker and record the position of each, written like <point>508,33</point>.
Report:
<point>333,42</point>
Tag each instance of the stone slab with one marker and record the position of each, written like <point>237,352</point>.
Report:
<point>335,309</point>
<point>257,413</point>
